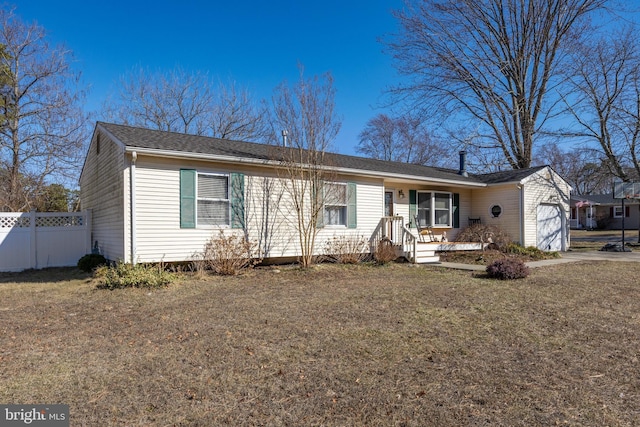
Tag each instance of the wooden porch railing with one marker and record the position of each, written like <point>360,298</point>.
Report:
<point>409,245</point>
<point>392,230</point>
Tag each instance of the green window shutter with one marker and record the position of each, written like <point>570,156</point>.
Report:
<point>237,200</point>
<point>456,210</point>
<point>187,198</point>
<point>413,207</point>
<point>352,214</point>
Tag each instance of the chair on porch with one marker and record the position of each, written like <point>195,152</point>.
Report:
<point>424,231</point>
<point>474,221</point>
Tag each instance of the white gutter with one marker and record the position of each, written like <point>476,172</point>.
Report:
<point>132,207</point>
<point>521,213</point>
<point>275,163</point>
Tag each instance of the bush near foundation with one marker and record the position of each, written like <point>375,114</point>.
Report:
<point>124,275</point>
<point>351,249</point>
<point>229,255</point>
<point>90,262</point>
<point>385,252</point>
<point>490,235</point>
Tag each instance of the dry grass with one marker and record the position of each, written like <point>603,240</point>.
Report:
<point>334,345</point>
<point>488,256</point>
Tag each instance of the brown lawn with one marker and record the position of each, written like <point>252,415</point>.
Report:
<point>336,346</point>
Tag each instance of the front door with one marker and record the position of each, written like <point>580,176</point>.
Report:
<point>388,212</point>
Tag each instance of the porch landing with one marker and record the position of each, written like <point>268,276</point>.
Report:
<point>426,253</point>
<point>454,246</point>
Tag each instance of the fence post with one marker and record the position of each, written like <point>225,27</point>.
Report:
<point>33,239</point>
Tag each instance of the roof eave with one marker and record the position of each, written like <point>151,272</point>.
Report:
<point>275,163</point>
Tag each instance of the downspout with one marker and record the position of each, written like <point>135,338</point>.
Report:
<point>521,213</point>
<point>132,205</point>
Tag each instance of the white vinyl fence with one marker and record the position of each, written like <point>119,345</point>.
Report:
<point>43,239</point>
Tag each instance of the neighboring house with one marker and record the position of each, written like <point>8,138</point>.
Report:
<point>159,196</point>
<point>602,211</point>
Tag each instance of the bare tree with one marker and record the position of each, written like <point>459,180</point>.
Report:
<point>235,115</point>
<point>179,101</point>
<point>581,167</point>
<point>401,139</point>
<point>263,200</point>
<point>605,101</point>
<point>379,139</point>
<point>307,112</point>
<point>489,63</point>
<point>43,130</point>
<point>175,101</point>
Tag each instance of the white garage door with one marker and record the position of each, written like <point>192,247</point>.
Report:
<point>550,228</point>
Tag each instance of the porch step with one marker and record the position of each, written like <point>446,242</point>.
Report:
<point>426,255</point>
<point>427,259</point>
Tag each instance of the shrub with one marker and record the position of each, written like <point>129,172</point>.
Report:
<point>507,269</point>
<point>351,249</point>
<point>229,255</point>
<point>90,262</point>
<point>124,275</point>
<point>482,233</point>
<point>530,251</point>
<point>385,252</point>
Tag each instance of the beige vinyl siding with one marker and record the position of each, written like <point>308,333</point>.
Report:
<point>506,196</point>
<point>370,208</point>
<point>102,182</point>
<point>543,187</point>
<point>159,236</point>
<point>158,233</point>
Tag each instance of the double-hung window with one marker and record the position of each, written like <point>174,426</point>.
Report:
<point>434,209</point>
<point>424,209</point>
<point>213,207</point>
<point>618,212</point>
<point>335,204</point>
<point>442,209</point>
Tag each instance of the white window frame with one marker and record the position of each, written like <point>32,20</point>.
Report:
<point>334,204</point>
<point>618,211</point>
<point>432,208</point>
<point>227,200</point>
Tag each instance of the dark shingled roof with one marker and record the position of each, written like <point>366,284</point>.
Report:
<point>502,177</point>
<point>602,199</point>
<point>136,137</point>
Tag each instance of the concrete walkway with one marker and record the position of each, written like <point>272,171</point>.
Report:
<point>565,258</point>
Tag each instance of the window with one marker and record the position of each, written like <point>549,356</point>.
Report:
<point>496,211</point>
<point>424,209</point>
<point>335,204</point>
<point>213,199</point>
<point>617,211</point>
<point>210,199</point>
<point>442,209</point>
<point>440,215</point>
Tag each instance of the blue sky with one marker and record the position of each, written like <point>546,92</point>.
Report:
<point>256,43</point>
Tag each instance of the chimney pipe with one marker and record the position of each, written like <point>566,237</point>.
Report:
<point>284,137</point>
<point>463,164</point>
